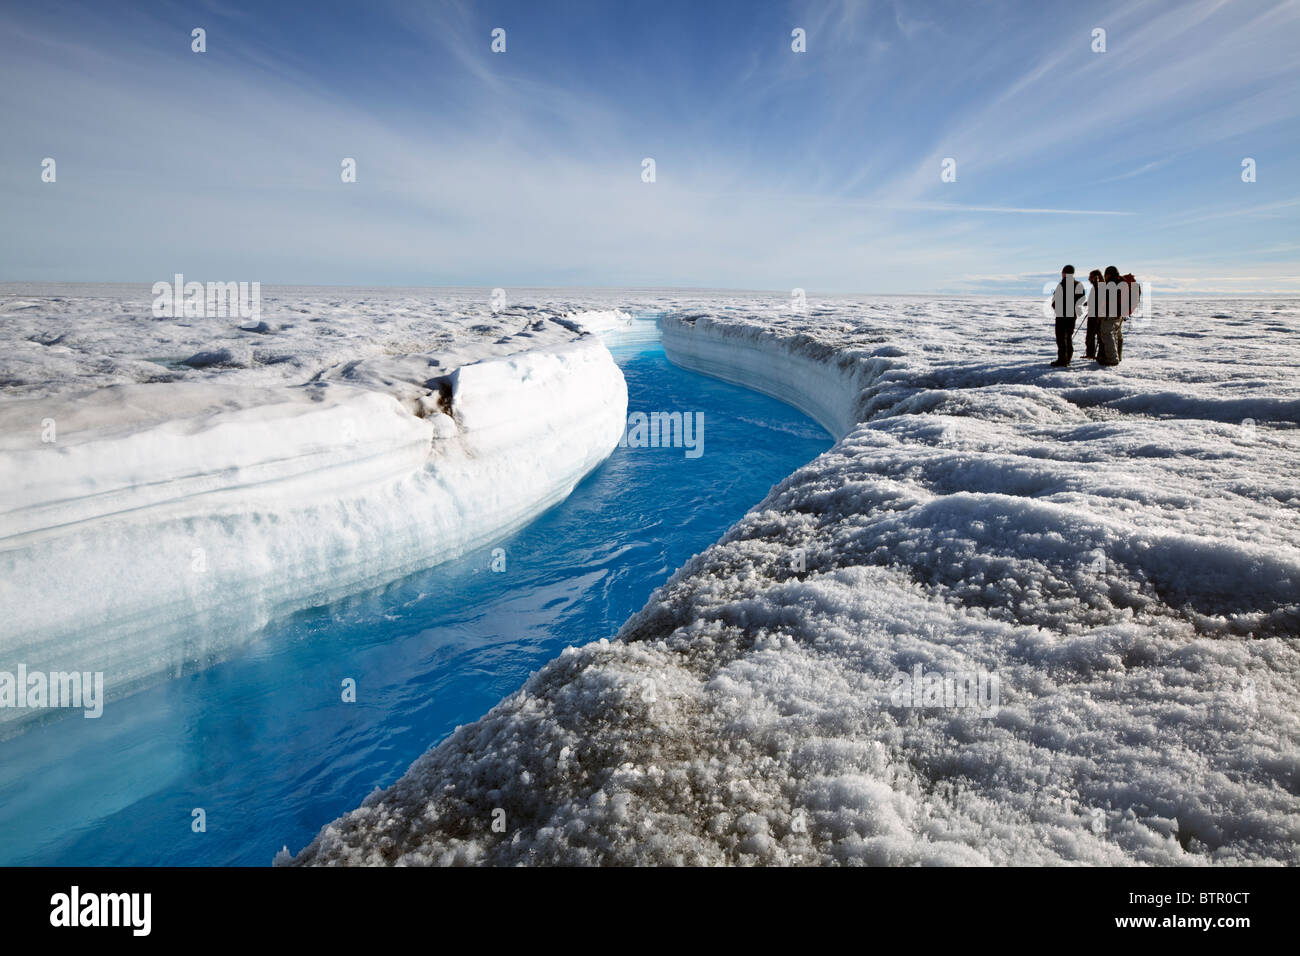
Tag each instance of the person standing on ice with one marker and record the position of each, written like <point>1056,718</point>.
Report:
<point>1118,297</point>
<point>1066,298</point>
<point>1094,322</point>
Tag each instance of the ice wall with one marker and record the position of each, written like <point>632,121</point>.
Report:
<point>816,380</point>
<point>147,530</point>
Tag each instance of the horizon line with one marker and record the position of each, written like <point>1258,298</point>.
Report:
<point>777,293</point>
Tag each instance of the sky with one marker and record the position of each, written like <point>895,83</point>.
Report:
<point>774,169</point>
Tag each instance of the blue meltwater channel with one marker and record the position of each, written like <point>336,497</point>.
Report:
<point>263,743</point>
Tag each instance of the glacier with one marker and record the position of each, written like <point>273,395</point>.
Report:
<point>152,527</point>
<point>1118,546</point>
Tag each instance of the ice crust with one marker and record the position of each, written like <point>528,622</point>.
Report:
<point>171,518</point>
<point>1118,546</point>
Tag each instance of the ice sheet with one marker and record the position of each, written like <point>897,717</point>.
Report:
<point>1118,547</point>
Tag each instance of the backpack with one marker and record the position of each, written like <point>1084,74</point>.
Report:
<point>1134,294</point>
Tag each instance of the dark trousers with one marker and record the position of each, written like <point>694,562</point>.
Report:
<point>1064,340</point>
<point>1090,337</point>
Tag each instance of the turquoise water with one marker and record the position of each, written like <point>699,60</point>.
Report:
<point>263,743</point>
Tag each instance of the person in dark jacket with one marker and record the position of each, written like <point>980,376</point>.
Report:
<point>1065,304</point>
<point>1094,322</point>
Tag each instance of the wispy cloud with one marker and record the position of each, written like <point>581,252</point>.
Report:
<point>774,169</point>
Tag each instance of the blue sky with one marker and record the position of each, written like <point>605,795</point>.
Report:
<point>775,169</point>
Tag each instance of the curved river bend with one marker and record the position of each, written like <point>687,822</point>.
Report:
<point>264,745</point>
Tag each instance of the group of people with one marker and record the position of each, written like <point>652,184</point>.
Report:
<point>1111,298</point>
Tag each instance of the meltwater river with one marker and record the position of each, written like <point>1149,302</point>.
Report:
<point>263,745</point>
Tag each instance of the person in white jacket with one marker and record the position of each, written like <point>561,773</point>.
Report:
<point>1066,300</point>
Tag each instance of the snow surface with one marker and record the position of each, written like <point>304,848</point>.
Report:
<point>1117,546</point>
<point>180,507</point>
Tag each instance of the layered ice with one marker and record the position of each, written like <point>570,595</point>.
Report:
<point>150,526</point>
<point>1115,548</point>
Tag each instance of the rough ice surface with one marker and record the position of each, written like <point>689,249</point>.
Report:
<point>157,513</point>
<point>1119,547</point>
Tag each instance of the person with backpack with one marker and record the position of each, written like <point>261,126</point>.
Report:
<point>1069,293</point>
<point>1094,322</point>
<point>1118,298</point>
